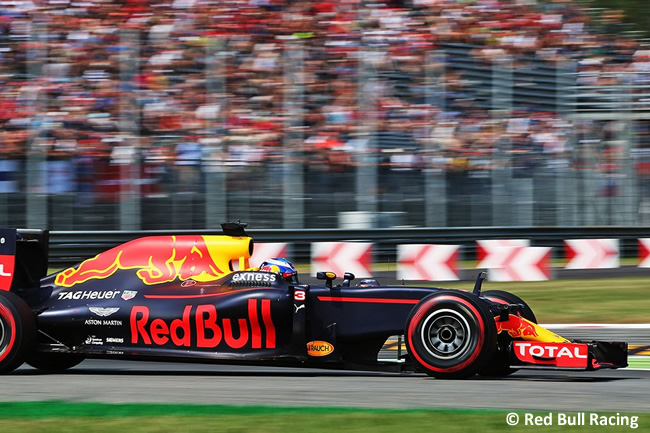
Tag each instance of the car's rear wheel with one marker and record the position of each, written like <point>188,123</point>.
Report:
<point>17,331</point>
<point>450,334</point>
<point>499,365</point>
<point>54,362</point>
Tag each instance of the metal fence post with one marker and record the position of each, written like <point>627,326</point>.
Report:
<point>629,192</point>
<point>130,187</point>
<point>435,191</point>
<point>36,158</point>
<point>590,203</point>
<point>630,186</point>
<point>292,172</point>
<point>502,183</point>
<point>366,160</point>
<point>565,180</point>
<point>212,164</point>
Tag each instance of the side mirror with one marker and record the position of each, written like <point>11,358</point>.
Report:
<point>327,276</point>
<point>348,277</point>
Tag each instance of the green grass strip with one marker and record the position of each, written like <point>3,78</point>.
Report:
<point>639,362</point>
<point>54,416</point>
<point>48,409</point>
<point>597,300</point>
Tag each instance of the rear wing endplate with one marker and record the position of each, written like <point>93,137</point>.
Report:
<point>23,258</point>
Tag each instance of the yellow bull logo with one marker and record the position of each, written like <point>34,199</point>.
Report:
<point>518,327</point>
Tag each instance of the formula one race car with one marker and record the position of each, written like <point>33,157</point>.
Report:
<point>196,298</point>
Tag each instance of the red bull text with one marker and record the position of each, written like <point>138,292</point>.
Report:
<point>210,331</point>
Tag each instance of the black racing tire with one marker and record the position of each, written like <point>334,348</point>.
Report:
<point>54,362</point>
<point>450,334</point>
<point>499,365</point>
<point>17,331</point>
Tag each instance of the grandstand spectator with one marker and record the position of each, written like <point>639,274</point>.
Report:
<point>99,71</point>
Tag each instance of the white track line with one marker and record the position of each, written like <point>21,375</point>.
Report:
<point>597,326</point>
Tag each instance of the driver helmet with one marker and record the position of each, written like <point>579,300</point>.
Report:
<point>282,267</point>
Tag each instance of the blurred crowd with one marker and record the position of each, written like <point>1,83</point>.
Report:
<point>185,87</point>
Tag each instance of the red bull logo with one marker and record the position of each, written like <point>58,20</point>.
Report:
<point>517,327</point>
<point>203,323</point>
<point>521,328</point>
<point>162,259</point>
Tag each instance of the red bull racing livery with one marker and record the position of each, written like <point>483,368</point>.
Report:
<point>196,298</point>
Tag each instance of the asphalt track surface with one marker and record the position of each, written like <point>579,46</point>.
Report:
<point>112,381</point>
<point>139,382</point>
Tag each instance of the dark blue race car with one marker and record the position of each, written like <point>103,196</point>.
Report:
<point>196,298</point>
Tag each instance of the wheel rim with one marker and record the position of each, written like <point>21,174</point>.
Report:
<point>446,334</point>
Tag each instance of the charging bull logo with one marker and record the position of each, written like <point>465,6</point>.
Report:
<point>518,327</point>
<point>203,322</point>
<point>162,259</point>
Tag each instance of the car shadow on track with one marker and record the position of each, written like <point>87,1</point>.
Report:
<point>132,371</point>
<point>555,377</point>
<point>183,370</point>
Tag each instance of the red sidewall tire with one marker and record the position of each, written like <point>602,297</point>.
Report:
<point>17,331</point>
<point>450,334</point>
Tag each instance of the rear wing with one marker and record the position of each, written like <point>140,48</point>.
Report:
<point>23,258</point>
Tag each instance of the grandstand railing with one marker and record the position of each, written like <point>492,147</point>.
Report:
<point>70,247</point>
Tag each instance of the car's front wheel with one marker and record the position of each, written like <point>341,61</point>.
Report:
<point>450,334</point>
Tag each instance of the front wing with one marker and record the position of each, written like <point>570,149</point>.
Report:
<point>534,346</point>
<point>577,355</point>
